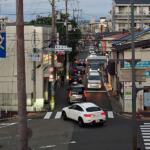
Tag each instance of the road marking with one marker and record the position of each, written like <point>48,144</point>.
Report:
<point>7,124</point>
<point>48,115</point>
<point>146,125</point>
<point>48,146</point>
<point>58,115</point>
<point>110,114</point>
<point>147,144</point>
<point>73,142</point>
<point>146,140</point>
<point>146,133</point>
<point>145,130</point>
<point>146,136</point>
<point>147,148</point>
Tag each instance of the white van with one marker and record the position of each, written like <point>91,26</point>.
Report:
<point>94,81</point>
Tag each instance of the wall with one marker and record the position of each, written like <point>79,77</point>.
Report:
<point>8,67</point>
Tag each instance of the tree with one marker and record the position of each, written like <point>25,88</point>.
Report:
<point>73,36</point>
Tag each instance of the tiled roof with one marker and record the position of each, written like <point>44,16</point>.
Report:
<point>142,44</point>
<point>128,37</point>
<point>135,1</point>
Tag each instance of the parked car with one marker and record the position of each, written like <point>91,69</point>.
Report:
<point>76,93</point>
<point>84,113</point>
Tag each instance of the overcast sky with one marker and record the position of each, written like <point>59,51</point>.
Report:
<point>32,8</point>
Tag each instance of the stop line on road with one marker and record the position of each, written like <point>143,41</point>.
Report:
<point>145,130</point>
<point>58,115</point>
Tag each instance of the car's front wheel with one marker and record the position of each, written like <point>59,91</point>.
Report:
<point>64,116</point>
<point>80,122</point>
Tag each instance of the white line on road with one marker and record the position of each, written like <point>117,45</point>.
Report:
<point>48,115</point>
<point>146,140</point>
<point>147,148</point>
<point>58,115</point>
<point>73,142</point>
<point>146,133</point>
<point>7,124</point>
<point>110,114</point>
<point>147,144</point>
<point>146,137</point>
<point>48,146</point>
<point>145,128</point>
<point>146,125</point>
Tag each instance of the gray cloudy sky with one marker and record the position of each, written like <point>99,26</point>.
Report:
<point>32,8</point>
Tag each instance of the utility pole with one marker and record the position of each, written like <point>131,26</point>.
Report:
<point>34,67</point>
<point>133,62</point>
<point>67,57</point>
<point>21,79</point>
<point>53,39</point>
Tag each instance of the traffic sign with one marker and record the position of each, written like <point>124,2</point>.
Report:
<point>34,56</point>
<point>59,48</point>
<point>3,44</point>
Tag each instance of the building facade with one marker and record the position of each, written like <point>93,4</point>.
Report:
<point>121,14</point>
<point>8,67</point>
<point>122,51</point>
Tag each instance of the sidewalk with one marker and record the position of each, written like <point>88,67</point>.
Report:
<point>114,99</point>
<point>116,106</point>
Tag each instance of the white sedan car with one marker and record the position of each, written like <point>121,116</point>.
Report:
<point>84,113</point>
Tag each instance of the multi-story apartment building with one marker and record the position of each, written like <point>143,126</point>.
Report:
<point>121,14</point>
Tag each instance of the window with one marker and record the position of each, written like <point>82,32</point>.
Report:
<point>79,108</point>
<point>91,109</point>
<point>94,78</point>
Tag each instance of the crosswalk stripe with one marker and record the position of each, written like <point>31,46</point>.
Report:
<point>110,114</point>
<point>147,144</point>
<point>147,148</point>
<point>146,140</point>
<point>146,123</point>
<point>145,130</point>
<point>48,115</point>
<point>58,115</point>
<point>146,133</point>
<point>146,136</point>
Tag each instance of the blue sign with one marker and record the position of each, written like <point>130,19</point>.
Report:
<point>3,44</point>
<point>140,65</point>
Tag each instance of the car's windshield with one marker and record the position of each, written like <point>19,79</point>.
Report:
<point>94,66</point>
<point>94,77</point>
<point>78,90</point>
<point>91,109</point>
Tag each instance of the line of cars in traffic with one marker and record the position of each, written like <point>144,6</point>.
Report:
<point>81,111</point>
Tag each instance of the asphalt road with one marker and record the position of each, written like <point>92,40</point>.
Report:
<point>56,134</point>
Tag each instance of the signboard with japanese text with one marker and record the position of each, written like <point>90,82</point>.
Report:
<point>59,48</point>
<point>142,65</point>
<point>3,44</point>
